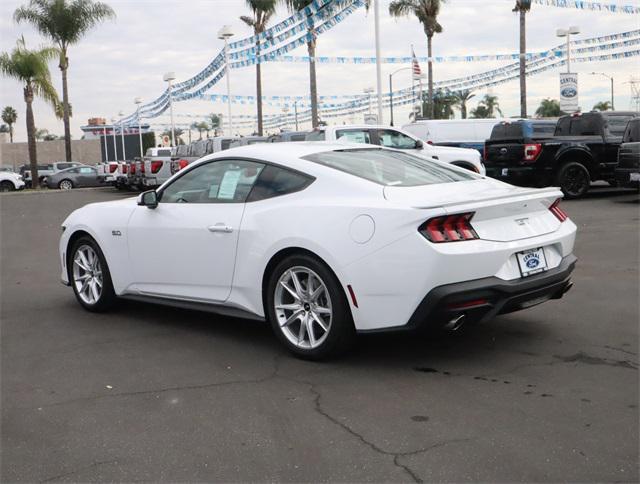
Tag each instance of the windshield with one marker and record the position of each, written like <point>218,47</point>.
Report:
<point>389,167</point>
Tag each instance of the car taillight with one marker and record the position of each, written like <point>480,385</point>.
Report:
<point>155,166</point>
<point>113,168</point>
<point>142,167</point>
<point>531,151</point>
<point>133,169</point>
<point>557,211</point>
<point>124,169</point>
<point>449,228</point>
<point>182,164</point>
<point>484,152</point>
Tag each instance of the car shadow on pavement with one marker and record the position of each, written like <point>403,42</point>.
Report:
<point>390,349</point>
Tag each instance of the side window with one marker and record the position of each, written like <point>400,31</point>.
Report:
<point>354,135</point>
<point>224,181</point>
<point>391,138</point>
<point>64,166</point>
<point>275,181</point>
<point>86,170</point>
<point>318,135</point>
<point>75,170</point>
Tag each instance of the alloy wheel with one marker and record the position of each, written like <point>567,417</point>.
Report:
<point>575,180</point>
<point>66,185</point>
<point>303,307</point>
<point>87,274</point>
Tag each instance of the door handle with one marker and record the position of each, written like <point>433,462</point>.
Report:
<point>220,227</point>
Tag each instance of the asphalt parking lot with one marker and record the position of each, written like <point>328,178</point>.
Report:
<point>155,394</point>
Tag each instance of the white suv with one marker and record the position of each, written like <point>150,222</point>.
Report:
<point>10,181</point>
<point>391,137</point>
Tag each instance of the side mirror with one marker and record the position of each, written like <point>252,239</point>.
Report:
<point>419,145</point>
<point>148,199</point>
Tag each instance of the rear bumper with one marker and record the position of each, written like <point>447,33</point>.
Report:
<point>624,177</point>
<point>516,174</point>
<point>482,299</point>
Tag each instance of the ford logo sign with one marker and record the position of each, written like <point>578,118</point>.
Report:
<point>503,151</point>
<point>569,92</point>
<point>533,263</point>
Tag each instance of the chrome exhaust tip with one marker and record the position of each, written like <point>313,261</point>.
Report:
<point>455,323</point>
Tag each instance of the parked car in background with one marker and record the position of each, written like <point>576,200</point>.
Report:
<point>288,136</point>
<point>107,171</point>
<point>155,169</point>
<point>10,181</point>
<point>186,154</point>
<point>461,133</point>
<point>77,177</point>
<point>390,137</point>
<point>584,149</point>
<point>49,169</point>
<point>628,169</point>
<point>248,140</point>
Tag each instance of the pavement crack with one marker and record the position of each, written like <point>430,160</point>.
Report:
<point>273,374</point>
<point>75,471</point>
<point>396,455</point>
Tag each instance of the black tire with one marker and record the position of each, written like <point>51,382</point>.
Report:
<point>341,332</point>
<point>107,295</point>
<point>573,179</point>
<point>6,186</point>
<point>65,184</point>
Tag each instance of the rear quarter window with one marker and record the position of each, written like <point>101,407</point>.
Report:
<point>275,181</point>
<point>616,125</point>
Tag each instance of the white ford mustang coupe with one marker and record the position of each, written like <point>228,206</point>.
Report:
<point>323,241</point>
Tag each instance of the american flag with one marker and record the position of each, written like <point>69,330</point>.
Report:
<point>415,66</point>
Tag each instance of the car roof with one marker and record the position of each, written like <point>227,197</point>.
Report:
<point>288,154</point>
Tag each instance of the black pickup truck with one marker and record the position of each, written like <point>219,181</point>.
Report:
<point>583,148</point>
<point>628,169</point>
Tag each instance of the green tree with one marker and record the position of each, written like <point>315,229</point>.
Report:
<point>30,67</point>
<point>462,97</point>
<point>59,111</point>
<point>179,132</point>
<point>487,108</point>
<point>602,106</point>
<point>480,112</point>
<point>41,134</point>
<point>426,11</point>
<point>261,13</point>
<point>215,122</point>
<point>443,103</point>
<point>200,127</point>
<point>65,22</point>
<point>522,7</point>
<point>549,108</point>
<point>10,116</point>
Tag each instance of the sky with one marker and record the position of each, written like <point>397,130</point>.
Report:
<point>126,58</point>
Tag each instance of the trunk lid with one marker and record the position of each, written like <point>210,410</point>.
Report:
<point>501,212</point>
<point>509,152</point>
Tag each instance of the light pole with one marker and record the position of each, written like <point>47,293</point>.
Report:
<point>121,114</point>
<point>573,30</point>
<point>391,90</point>
<point>285,118</point>
<point>225,33</point>
<point>376,15</point>
<point>611,79</point>
<point>115,146</point>
<point>138,101</point>
<point>295,111</point>
<point>168,77</point>
<point>104,133</point>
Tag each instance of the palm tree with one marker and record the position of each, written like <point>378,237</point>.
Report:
<point>215,121</point>
<point>492,105</point>
<point>262,11</point>
<point>65,22</point>
<point>522,7</point>
<point>426,11</point>
<point>30,67</point>
<point>41,134</point>
<point>549,108</point>
<point>601,106</point>
<point>462,97</point>
<point>294,6</point>
<point>59,111</point>
<point>9,116</point>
